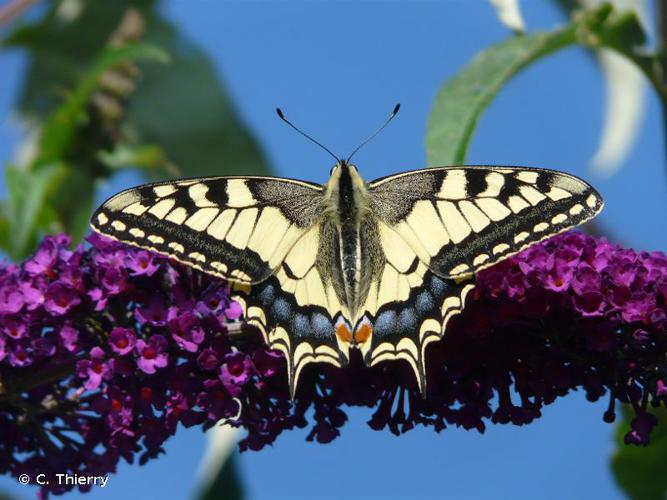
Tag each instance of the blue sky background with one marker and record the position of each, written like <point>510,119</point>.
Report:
<point>337,69</point>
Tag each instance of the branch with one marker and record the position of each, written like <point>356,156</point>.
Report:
<point>661,20</point>
<point>14,10</point>
<point>661,33</point>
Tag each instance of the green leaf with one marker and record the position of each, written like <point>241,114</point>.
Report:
<point>639,470</point>
<point>183,107</point>
<point>27,211</point>
<point>461,101</point>
<point>179,120</point>
<point>62,48</point>
<point>60,129</point>
<point>4,227</point>
<point>218,475</point>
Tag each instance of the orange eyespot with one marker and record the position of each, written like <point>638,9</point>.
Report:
<point>363,333</point>
<point>344,333</point>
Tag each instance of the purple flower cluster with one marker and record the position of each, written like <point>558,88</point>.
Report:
<point>105,349</point>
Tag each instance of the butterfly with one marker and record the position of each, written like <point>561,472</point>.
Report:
<point>378,266</point>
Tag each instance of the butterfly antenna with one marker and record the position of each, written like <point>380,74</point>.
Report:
<point>391,117</point>
<point>282,117</point>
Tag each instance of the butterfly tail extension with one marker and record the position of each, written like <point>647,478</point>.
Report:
<point>403,330</point>
<point>304,334</point>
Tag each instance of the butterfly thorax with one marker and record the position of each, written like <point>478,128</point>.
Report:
<point>347,205</point>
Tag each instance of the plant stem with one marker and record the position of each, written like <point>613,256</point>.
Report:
<point>661,20</point>
<point>14,10</point>
<point>661,33</point>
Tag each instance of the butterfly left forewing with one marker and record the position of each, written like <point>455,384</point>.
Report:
<point>236,228</point>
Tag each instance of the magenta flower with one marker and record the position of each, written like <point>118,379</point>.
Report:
<point>95,369</point>
<point>640,428</point>
<point>33,293</point>
<point>236,371</point>
<point>122,340</point>
<point>69,337</point>
<point>208,359</point>
<point>233,311</point>
<point>154,314</point>
<point>42,262</point>
<point>142,263</point>
<point>11,300</point>
<point>13,328</point>
<point>185,329</point>
<point>152,354</point>
<point>60,299</point>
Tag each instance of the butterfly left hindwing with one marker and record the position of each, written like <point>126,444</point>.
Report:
<point>298,308</point>
<point>257,231</point>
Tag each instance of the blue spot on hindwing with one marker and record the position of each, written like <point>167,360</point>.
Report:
<point>267,295</point>
<point>424,303</point>
<point>385,324</point>
<point>301,326</point>
<point>321,325</point>
<point>438,286</point>
<point>407,321</point>
<point>281,310</point>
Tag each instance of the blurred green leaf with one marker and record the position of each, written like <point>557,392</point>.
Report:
<point>4,227</point>
<point>98,114</point>
<point>640,470</point>
<point>27,193</point>
<point>60,50</point>
<point>60,128</point>
<point>5,495</point>
<point>182,107</point>
<point>218,475</point>
<point>74,211</point>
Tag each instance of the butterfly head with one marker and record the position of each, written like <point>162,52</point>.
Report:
<point>338,168</point>
<point>344,177</point>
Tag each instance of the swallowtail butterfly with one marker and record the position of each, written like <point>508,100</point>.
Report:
<point>377,266</point>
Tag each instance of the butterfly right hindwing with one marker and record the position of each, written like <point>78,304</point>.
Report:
<point>435,228</point>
